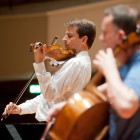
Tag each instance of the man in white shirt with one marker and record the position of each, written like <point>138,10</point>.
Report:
<point>71,77</point>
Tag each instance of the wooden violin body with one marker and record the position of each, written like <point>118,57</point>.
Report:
<point>55,51</point>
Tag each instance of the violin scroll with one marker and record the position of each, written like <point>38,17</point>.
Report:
<point>35,46</point>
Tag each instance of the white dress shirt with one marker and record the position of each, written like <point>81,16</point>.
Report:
<point>70,78</point>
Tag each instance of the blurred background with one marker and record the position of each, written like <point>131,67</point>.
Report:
<point>23,22</point>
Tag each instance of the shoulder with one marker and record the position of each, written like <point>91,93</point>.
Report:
<point>81,58</point>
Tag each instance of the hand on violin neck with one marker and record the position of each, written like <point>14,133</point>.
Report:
<point>39,54</point>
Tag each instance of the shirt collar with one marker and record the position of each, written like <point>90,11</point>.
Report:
<point>82,53</point>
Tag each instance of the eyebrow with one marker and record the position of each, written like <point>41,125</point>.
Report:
<point>68,33</point>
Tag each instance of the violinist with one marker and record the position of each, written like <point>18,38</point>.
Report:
<point>122,74</point>
<point>71,76</point>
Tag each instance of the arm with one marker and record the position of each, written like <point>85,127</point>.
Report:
<point>30,106</point>
<point>124,100</point>
<point>27,107</point>
<point>70,78</point>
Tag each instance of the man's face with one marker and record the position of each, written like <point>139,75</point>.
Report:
<point>71,39</point>
<point>109,35</point>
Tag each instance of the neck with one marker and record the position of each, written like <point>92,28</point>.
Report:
<point>83,48</point>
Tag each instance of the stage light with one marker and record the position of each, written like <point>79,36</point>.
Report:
<point>34,89</point>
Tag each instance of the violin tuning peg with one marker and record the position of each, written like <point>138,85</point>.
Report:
<point>31,47</point>
<point>38,45</point>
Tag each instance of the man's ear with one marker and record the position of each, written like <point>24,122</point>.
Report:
<point>121,34</point>
<point>84,39</point>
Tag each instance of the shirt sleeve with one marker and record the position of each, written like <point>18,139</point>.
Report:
<point>72,77</point>
<point>132,79</point>
<point>30,106</point>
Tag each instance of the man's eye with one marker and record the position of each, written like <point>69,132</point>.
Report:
<point>69,36</point>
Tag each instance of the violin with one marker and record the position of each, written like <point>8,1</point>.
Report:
<point>55,51</point>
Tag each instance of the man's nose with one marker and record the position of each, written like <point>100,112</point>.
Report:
<point>64,38</point>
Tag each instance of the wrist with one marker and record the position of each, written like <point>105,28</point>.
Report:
<point>19,110</point>
<point>39,61</point>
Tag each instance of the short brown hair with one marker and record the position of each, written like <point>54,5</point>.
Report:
<point>84,27</point>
